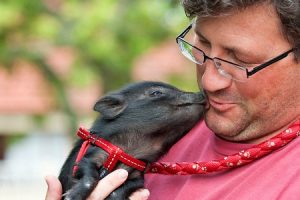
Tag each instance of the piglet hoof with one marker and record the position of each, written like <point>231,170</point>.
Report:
<point>80,191</point>
<point>70,196</point>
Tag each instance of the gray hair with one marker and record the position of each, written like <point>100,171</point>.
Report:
<point>287,10</point>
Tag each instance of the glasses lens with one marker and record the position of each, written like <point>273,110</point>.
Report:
<point>231,70</point>
<point>191,52</point>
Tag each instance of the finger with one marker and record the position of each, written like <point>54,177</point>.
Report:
<point>142,194</point>
<point>108,184</point>
<point>54,190</point>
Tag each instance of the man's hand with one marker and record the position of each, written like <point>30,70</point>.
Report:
<point>54,191</point>
<point>104,187</point>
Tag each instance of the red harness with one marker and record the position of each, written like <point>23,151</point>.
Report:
<point>187,168</point>
<point>115,153</point>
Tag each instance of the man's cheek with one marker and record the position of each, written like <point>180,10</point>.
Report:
<point>200,72</point>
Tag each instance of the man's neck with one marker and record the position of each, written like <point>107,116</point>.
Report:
<point>272,134</point>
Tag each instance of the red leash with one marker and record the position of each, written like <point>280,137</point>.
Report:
<point>116,154</point>
<point>243,157</point>
<point>228,162</point>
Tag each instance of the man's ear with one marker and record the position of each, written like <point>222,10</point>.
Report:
<point>111,106</point>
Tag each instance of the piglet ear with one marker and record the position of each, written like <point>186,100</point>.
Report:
<point>111,106</point>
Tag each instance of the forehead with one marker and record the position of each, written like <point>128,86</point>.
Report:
<point>257,26</point>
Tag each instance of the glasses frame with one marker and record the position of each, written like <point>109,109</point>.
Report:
<point>248,73</point>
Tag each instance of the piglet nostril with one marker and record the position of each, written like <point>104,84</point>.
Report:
<point>190,99</point>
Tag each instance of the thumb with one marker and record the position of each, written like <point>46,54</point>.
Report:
<point>54,191</point>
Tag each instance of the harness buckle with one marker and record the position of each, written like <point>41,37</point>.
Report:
<point>92,139</point>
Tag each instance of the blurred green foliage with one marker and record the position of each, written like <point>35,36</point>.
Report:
<point>105,34</point>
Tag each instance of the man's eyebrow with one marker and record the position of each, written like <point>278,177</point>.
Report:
<point>238,50</point>
<point>199,34</point>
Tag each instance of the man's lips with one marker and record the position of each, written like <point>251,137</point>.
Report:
<point>220,105</point>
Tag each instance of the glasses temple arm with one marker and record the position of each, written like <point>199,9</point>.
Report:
<point>260,67</point>
<point>182,35</point>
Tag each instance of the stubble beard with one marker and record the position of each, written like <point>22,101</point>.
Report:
<point>235,128</point>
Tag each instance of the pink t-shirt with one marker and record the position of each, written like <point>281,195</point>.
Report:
<point>276,176</point>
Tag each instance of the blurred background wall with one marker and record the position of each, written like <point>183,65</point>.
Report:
<point>57,58</point>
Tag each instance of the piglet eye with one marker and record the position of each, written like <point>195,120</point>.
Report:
<point>155,93</point>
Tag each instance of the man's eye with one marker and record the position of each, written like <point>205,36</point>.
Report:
<point>204,43</point>
<point>243,62</point>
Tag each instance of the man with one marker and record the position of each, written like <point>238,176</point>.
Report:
<point>247,55</point>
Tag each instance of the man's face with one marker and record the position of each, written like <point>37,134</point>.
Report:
<point>269,99</point>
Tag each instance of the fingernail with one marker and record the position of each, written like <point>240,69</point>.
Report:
<point>46,179</point>
<point>145,194</point>
<point>123,174</point>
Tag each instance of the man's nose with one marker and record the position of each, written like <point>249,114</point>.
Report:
<point>210,78</point>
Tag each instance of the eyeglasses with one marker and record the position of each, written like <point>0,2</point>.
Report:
<point>225,68</point>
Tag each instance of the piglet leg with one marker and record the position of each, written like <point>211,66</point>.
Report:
<point>85,180</point>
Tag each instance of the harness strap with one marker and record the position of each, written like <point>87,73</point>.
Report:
<point>115,154</point>
<point>84,147</point>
